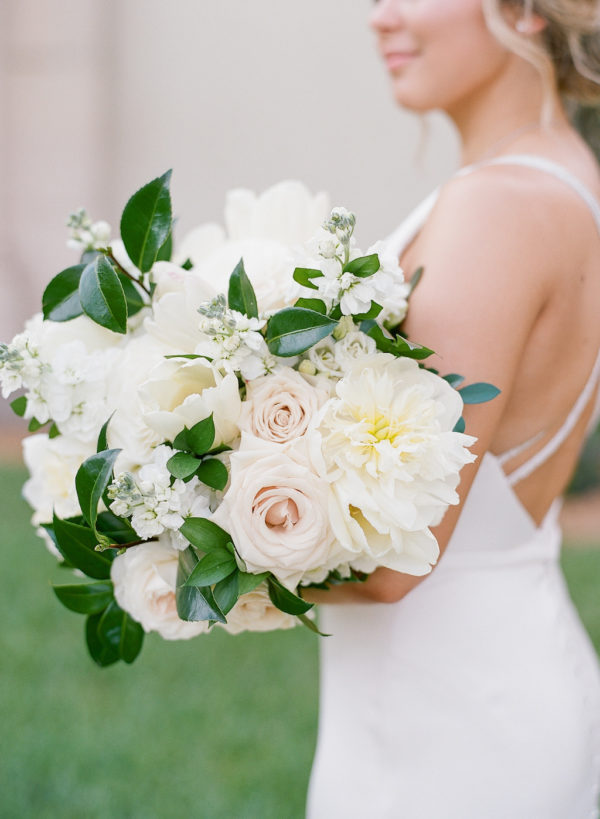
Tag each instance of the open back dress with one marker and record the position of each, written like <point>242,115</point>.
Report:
<point>477,696</point>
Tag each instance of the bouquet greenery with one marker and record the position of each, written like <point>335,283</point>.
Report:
<point>219,425</point>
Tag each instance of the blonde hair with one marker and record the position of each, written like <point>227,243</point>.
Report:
<point>566,54</point>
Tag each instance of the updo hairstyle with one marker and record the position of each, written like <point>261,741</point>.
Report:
<point>567,53</point>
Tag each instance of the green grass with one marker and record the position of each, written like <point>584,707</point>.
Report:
<point>217,728</point>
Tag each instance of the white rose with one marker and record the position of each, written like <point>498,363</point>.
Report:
<point>279,407</point>
<point>145,579</point>
<point>180,393</point>
<point>322,356</point>
<point>276,509</point>
<point>353,346</point>
<point>254,611</point>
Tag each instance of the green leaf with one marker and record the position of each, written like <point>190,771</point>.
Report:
<point>77,545</point>
<point>303,276</point>
<point>134,297</point>
<point>398,345</point>
<point>247,582</point>
<point>100,652</point>
<point>372,313</point>
<point>34,425</point>
<point>201,436</point>
<point>181,440</point>
<point>85,598</point>
<point>312,304</point>
<point>188,265</point>
<point>213,473</point>
<point>102,296</point>
<point>460,425</point>
<point>454,379</point>
<point>119,631</point>
<point>146,222</point>
<point>415,279</point>
<point>478,393</point>
<point>226,592</point>
<point>53,432</point>
<point>92,478</point>
<point>60,301</point>
<point>310,624</point>
<point>364,266</point>
<point>294,330</point>
<point>102,439</point>
<point>241,295</point>
<point>117,530</point>
<point>165,252</point>
<point>182,465</point>
<point>19,405</point>
<point>204,534</point>
<point>194,603</point>
<point>212,568</point>
<point>285,600</point>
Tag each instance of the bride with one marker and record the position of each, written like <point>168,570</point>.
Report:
<point>474,692</point>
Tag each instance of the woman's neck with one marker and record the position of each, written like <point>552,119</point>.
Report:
<point>500,112</point>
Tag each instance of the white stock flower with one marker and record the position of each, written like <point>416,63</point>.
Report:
<point>179,393</point>
<point>276,509</point>
<point>232,341</point>
<point>63,368</point>
<point>85,234</point>
<point>145,579</point>
<point>279,407</point>
<point>263,230</point>
<point>394,289</point>
<point>254,611</point>
<point>152,502</point>
<point>392,460</point>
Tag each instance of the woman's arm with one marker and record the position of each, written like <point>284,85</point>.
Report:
<point>488,276</point>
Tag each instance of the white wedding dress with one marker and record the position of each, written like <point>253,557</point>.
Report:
<point>478,695</point>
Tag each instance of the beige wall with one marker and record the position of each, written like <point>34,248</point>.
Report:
<point>98,96</point>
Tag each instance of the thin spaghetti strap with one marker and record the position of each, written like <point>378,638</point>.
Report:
<point>547,166</point>
<point>563,433</point>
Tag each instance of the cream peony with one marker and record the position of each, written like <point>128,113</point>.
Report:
<point>392,460</point>
<point>262,230</point>
<point>179,393</point>
<point>127,429</point>
<point>276,509</point>
<point>175,321</point>
<point>255,612</point>
<point>145,579</point>
<point>279,407</point>
<point>52,465</point>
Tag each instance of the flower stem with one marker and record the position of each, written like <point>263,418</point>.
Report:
<point>122,270</point>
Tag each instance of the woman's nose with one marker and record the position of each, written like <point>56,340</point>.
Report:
<point>386,15</point>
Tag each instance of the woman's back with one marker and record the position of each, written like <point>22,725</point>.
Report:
<point>549,221</point>
<point>477,695</point>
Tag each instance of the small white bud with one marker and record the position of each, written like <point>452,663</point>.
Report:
<point>306,367</point>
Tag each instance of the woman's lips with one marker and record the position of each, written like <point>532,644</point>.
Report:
<point>398,59</point>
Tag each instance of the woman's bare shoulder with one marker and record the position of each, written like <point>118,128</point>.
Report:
<point>519,218</point>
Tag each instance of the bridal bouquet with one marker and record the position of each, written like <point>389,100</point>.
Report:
<point>230,422</point>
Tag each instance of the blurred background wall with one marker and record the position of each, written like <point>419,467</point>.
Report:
<point>99,96</point>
